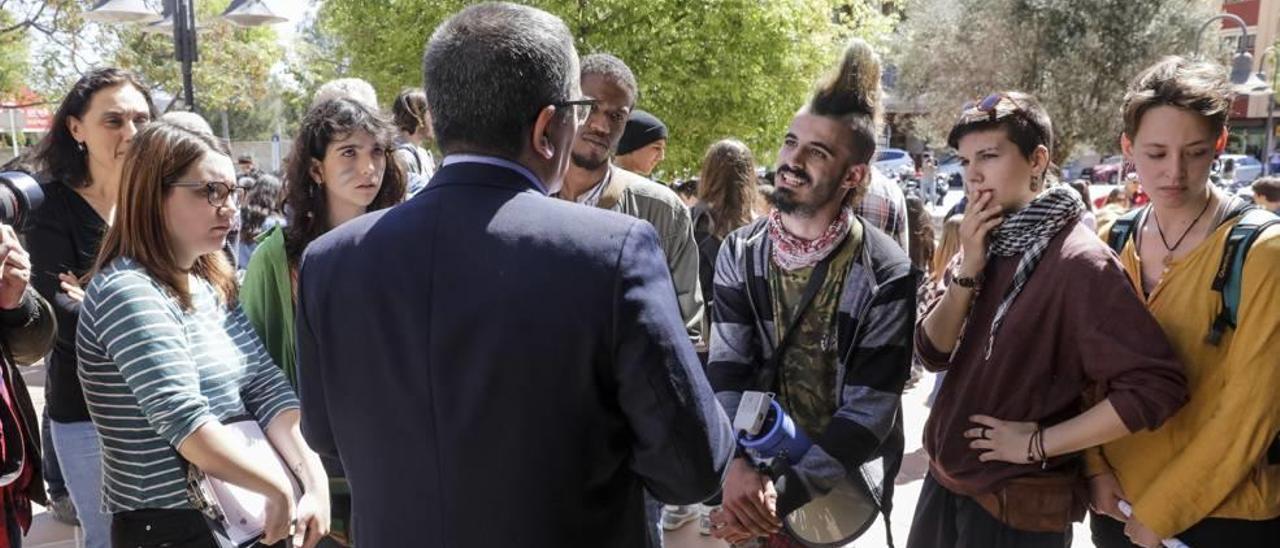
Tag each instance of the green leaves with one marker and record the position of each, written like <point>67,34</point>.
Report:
<point>710,69</point>
<point>13,55</point>
<point>234,70</point>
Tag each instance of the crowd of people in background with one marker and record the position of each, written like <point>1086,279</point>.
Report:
<point>477,317</point>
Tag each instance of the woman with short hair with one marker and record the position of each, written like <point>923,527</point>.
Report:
<point>1015,331</point>
<point>1211,474</point>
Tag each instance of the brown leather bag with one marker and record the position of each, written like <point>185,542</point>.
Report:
<point>1038,504</point>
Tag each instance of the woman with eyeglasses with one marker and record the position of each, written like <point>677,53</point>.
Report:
<point>1032,376</point>
<point>82,155</point>
<point>1210,476</point>
<point>168,360</point>
<point>342,166</point>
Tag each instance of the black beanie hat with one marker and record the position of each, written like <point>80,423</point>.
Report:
<point>642,128</point>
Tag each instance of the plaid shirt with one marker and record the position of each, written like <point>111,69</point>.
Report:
<point>885,207</point>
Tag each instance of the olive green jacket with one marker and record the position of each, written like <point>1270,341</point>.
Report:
<point>634,195</point>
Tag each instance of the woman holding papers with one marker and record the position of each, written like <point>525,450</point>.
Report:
<point>168,361</point>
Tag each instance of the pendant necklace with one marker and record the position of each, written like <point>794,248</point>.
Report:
<point>1168,257</point>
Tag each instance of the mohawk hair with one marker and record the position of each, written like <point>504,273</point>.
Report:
<point>852,93</point>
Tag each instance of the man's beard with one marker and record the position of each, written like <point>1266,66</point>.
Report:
<point>821,193</point>
<point>586,162</point>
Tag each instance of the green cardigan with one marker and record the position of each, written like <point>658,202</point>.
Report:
<point>266,295</point>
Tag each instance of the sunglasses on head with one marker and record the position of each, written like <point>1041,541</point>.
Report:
<point>989,108</point>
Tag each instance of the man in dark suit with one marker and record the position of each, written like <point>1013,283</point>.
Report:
<point>495,367</point>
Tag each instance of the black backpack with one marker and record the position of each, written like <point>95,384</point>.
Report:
<point>1253,222</point>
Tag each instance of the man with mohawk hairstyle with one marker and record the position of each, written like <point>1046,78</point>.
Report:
<point>816,305</point>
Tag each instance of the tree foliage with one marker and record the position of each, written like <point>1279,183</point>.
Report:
<point>1076,56</point>
<point>13,54</point>
<point>709,68</point>
<point>234,69</point>
<point>63,47</point>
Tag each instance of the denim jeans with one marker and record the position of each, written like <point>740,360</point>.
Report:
<point>653,518</point>
<point>49,461</point>
<point>80,456</point>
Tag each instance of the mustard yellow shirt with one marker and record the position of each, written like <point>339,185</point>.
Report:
<point>1209,460</point>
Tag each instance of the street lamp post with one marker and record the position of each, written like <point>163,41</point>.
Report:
<point>182,15</point>
<point>184,45</point>
<point>1271,107</point>
<point>1242,62</point>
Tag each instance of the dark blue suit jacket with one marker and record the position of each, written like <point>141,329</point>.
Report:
<point>500,368</point>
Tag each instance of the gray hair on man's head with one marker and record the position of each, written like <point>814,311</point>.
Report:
<point>346,88</point>
<point>189,121</point>
<point>490,69</point>
<point>614,69</point>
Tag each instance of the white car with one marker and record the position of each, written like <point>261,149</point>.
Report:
<point>1248,168</point>
<point>894,162</point>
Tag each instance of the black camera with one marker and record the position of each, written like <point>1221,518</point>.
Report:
<point>20,194</point>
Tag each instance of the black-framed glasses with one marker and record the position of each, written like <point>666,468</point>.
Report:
<point>989,107</point>
<point>581,109</point>
<point>217,192</point>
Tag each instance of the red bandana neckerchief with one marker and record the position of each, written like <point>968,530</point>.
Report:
<point>791,253</point>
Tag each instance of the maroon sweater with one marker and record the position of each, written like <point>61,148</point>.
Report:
<point>1078,324</point>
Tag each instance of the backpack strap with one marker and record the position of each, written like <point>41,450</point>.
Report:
<point>1122,229</point>
<point>1227,282</point>
<point>413,151</point>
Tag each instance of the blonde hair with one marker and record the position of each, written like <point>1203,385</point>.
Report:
<point>947,248</point>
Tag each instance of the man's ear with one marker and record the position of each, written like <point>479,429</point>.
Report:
<point>1126,146</point>
<point>540,137</point>
<point>1221,145</point>
<point>856,177</point>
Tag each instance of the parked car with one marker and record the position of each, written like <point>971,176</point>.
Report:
<point>1107,172</point>
<point>1248,168</point>
<point>895,163</point>
<point>1073,169</point>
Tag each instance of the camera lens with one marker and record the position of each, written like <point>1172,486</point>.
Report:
<point>20,193</point>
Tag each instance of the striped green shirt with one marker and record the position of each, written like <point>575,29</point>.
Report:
<point>153,374</point>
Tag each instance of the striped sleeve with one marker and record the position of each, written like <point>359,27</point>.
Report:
<point>143,335</point>
<point>266,393</point>
<point>876,374</point>
<point>735,349</point>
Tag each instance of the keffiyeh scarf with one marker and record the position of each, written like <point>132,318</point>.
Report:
<point>1027,233</point>
<point>791,253</point>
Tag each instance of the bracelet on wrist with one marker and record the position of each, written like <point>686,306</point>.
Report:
<point>968,282</point>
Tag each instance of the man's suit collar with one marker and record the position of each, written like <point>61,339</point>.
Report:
<point>471,168</point>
